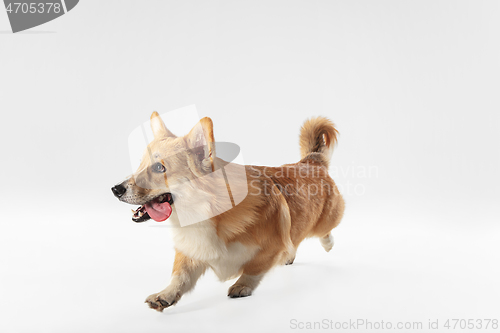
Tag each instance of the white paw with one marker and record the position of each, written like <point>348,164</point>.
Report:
<point>327,242</point>
<point>163,299</point>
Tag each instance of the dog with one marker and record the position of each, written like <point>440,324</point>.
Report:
<point>278,211</point>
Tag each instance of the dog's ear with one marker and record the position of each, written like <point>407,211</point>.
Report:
<point>159,128</point>
<point>201,142</point>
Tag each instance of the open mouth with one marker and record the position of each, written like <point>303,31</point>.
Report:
<point>158,209</point>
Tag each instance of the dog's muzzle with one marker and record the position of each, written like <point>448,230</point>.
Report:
<point>159,206</point>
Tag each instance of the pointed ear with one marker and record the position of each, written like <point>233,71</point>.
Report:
<point>201,141</point>
<point>159,128</point>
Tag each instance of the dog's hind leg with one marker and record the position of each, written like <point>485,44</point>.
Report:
<point>330,219</point>
<point>285,224</point>
<point>289,257</point>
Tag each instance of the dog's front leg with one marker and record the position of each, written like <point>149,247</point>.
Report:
<point>253,272</point>
<point>184,276</point>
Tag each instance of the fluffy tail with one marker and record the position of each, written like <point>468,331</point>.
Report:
<point>318,136</point>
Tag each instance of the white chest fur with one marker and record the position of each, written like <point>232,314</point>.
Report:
<point>200,241</point>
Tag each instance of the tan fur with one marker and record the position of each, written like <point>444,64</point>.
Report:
<point>318,135</point>
<point>284,205</point>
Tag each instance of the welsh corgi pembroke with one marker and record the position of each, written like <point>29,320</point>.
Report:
<point>281,207</point>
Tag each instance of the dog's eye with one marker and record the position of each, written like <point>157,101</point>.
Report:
<point>158,168</point>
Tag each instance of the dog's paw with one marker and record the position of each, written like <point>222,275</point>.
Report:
<point>162,300</point>
<point>287,257</point>
<point>327,242</point>
<point>238,290</point>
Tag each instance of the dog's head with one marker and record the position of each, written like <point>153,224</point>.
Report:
<point>169,166</point>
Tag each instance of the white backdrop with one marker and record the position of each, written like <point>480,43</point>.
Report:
<point>412,87</point>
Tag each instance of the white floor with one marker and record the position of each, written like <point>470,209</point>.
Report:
<point>65,270</point>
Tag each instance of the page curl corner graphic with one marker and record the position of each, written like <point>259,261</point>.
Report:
<point>26,14</point>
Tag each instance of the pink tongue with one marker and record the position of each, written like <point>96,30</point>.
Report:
<point>159,211</point>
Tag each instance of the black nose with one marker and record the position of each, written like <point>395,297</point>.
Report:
<point>118,190</point>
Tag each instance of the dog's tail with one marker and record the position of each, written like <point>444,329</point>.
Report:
<point>318,136</point>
